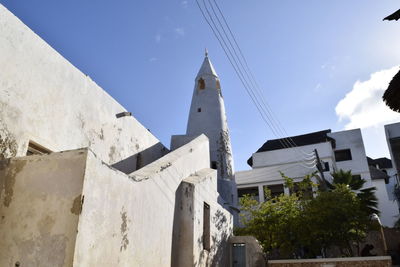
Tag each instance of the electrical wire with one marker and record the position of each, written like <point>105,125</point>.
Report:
<point>249,83</point>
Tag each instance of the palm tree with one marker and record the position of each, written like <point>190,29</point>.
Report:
<point>366,196</point>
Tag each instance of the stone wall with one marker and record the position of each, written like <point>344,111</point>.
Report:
<point>392,237</point>
<point>382,261</point>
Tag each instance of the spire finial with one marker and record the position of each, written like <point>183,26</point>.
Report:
<point>206,52</point>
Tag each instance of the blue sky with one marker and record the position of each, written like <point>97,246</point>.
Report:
<point>308,57</point>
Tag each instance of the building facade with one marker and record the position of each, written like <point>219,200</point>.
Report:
<point>337,150</point>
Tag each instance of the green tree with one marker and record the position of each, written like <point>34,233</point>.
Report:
<point>334,218</point>
<point>367,196</point>
<point>299,226</point>
<point>274,223</point>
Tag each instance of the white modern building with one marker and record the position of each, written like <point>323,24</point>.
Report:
<point>337,150</point>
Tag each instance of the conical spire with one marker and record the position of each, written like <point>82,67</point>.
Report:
<point>206,68</point>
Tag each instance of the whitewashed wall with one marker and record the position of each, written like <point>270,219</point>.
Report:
<point>129,220</point>
<point>71,209</point>
<point>44,98</point>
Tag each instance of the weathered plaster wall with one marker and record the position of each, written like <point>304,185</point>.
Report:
<point>44,98</point>
<point>188,233</point>
<point>221,225</point>
<point>128,220</point>
<point>39,209</point>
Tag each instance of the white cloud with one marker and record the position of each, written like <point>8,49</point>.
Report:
<point>180,31</point>
<point>363,107</point>
<point>157,38</point>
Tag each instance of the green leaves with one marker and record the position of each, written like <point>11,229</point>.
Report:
<point>355,182</point>
<point>299,225</point>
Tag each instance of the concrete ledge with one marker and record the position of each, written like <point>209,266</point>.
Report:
<point>378,261</point>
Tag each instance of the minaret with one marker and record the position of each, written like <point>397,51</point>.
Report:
<point>207,116</point>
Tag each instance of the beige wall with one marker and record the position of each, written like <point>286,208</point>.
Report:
<point>39,210</point>
<point>44,98</point>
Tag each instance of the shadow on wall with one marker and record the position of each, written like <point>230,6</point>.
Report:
<point>141,159</point>
<point>220,243</point>
<point>176,232</point>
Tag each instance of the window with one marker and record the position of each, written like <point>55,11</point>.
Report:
<point>276,190</point>
<point>202,84</point>
<point>214,165</point>
<point>326,166</point>
<point>36,149</point>
<point>199,110</point>
<point>206,227</point>
<point>342,155</point>
<point>252,191</point>
<point>218,85</point>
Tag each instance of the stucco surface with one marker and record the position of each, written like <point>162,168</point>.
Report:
<point>45,99</point>
<point>129,220</point>
<point>39,210</point>
<point>203,189</point>
<point>207,116</point>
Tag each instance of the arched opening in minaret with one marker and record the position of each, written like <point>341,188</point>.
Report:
<point>218,85</point>
<point>201,84</point>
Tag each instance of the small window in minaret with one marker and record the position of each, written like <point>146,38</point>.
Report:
<point>218,85</point>
<point>199,110</point>
<point>202,84</point>
<point>214,165</point>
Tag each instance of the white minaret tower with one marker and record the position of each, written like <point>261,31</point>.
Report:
<point>207,116</point>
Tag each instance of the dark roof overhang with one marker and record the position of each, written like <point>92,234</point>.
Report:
<point>298,140</point>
